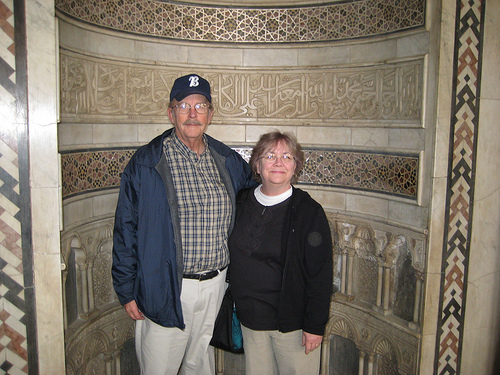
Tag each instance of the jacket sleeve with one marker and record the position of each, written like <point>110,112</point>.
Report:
<point>243,178</point>
<point>319,273</point>
<point>124,269</point>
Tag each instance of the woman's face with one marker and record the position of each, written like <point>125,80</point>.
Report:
<point>276,168</point>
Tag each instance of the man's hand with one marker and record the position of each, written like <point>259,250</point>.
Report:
<point>311,341</point>
<point>133,311</point>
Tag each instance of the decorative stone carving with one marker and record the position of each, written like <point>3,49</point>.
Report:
<point>120,91</point>
<point>249,24</point>
<point>384,339</point>
<point>97,326</point>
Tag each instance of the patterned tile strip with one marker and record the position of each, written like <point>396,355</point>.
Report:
<point>389,174</point>
<point>460,194</point>
<point>15,312</point>
<point>168,19</point>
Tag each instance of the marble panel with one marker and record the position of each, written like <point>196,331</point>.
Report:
<point>377,51</point>
<point>147,132</point>
<point>329,55</point>
<point>74,134</point>
<point>49,312</point>
<point>407,139</point>
<point>104,204</point>
<point>216,56</point>
<point>490,89</point>
<point>436,226</point>
<point>367,205</point>
<point>229,134</point>
<point>410,214</point>
<point>427,355</point>
<point>254,132</point>
<point>45,220</point>
<point>44,171</point>
<point>328,199</point>
<point>442,137</point>
<point>73,36</point>
<point>77,210</point>
<point>328,136</point>
<point>109,134</point>
<point>270,57</point>
<point>371,138</point>
<point>413,45</point>
<point>157,51</point>
<point>430,309</point>
<point>481,356</point>
<point>482,320</point>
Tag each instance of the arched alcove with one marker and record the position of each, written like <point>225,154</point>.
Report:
<point>353,80</point>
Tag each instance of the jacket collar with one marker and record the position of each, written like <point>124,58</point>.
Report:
<point>153,151</point>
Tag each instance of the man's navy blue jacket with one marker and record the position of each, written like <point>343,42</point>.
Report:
<point>147,250</point>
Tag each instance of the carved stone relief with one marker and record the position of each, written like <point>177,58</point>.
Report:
<point>383,94</point>
<point>96,325</point>
<point>380,313</point>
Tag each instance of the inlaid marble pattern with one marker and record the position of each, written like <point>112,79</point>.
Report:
<point>169,19</point>
<point>16,308</point>
<point>389,174</point>
<point>460,191</point>
<point>93,170</point>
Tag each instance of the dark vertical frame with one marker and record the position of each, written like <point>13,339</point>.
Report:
<point>24,182</point>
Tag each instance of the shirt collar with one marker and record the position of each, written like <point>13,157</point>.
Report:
<point>185,150</point>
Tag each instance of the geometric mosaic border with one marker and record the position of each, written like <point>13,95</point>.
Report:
<point>18,340</point>
<point>83,172</point>
<point>469,31</point>
<point>237,24</point>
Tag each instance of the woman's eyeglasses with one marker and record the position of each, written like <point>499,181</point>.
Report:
<point>200,108</point>
<point>272,158</point>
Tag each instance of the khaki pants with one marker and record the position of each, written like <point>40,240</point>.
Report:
<point>276,353</point>
<point>163,351</point>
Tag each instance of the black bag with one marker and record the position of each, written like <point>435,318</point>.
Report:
<point>227,330</point>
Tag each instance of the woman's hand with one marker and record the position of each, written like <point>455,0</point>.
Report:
<point>133,311</point>
<point>310,341</point>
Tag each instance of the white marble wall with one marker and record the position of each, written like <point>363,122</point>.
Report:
<point>45,182</point>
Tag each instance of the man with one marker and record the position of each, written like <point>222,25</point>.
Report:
<point>175,211</point>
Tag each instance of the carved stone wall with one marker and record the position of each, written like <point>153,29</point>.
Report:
<point>388,94</point>
<point>96,325</point>
<point>361,118</point>
<point>367,314</point>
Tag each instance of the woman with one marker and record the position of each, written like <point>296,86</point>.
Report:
<point>281,264</point>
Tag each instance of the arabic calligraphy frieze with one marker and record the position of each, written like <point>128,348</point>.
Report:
<point>114,90</point>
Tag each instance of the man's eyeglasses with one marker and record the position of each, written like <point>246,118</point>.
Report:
<point>200,108</point>
<point>271,158</point>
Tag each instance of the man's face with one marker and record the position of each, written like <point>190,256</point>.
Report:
<point>190,126</point>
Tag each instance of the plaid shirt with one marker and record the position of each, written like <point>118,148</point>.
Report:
<point>204,207</point>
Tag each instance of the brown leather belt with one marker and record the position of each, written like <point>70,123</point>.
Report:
<point>203,276</point>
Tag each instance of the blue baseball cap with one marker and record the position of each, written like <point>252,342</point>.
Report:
<point>188,85</point>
